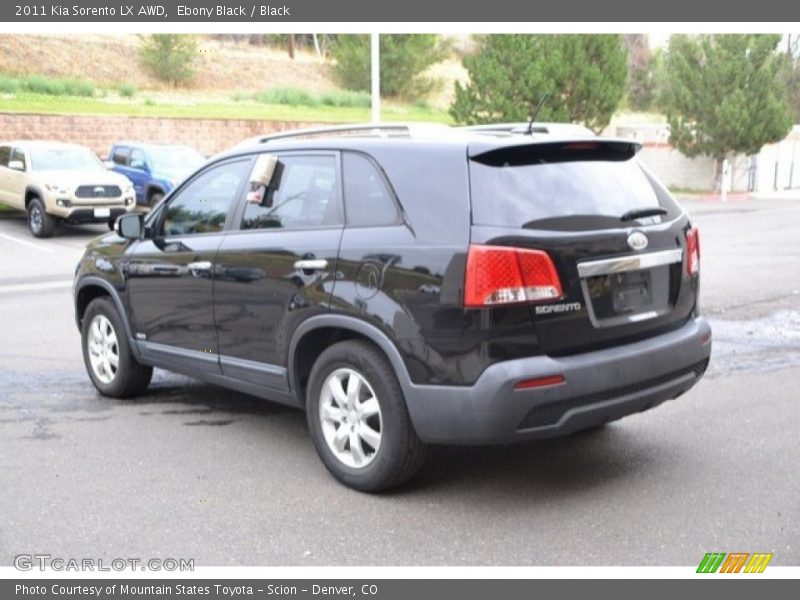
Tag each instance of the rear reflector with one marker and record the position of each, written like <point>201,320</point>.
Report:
<point>497,275</point>
<point>528,384</point>
<point>693,251</point>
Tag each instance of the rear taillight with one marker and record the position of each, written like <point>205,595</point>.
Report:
<point>498,275</point>
<point>693,251</point>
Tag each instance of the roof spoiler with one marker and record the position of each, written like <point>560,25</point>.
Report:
<point>553,152</point>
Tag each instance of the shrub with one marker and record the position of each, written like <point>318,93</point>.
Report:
<point>286,95</point>
<point>39,84</point>
<point>296,97</point>
<point>127,90</point>
<point>8,85</point>
<point>346,99</point>
<point>169,56</point>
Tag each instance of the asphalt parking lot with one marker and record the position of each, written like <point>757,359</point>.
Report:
<point>195,471</point>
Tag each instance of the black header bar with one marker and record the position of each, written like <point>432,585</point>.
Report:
<point>363,11</point>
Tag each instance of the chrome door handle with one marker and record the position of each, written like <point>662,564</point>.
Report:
<point>203,265</point>
<point>311,264</point>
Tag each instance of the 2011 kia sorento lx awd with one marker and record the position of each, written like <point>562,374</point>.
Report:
<point>459,288</point>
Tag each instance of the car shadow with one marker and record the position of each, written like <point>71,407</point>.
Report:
<point>551,468</point>
<point>16,219</point>
<point>543,469</point>
<point>198,398</point>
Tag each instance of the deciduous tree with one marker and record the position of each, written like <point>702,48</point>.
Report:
<point>170,56</point>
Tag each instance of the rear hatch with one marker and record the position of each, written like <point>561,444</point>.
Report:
<point>616,240</point>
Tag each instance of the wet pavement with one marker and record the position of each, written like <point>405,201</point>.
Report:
<point>194,471</point>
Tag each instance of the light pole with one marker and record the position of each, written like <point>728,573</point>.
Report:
<point>375,57</point>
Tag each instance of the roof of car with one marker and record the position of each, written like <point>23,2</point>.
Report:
<point>149,144</point>
<point>449,139</point>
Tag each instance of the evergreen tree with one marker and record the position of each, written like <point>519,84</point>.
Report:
<point>725,94</point>
<point>585,76</point>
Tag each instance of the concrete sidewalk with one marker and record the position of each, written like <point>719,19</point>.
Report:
<point>738,203</point>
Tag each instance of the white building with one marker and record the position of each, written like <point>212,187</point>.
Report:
<point>775,168</point>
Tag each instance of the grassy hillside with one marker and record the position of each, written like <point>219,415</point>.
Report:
<point>113,60</point>
<point>102,74</point>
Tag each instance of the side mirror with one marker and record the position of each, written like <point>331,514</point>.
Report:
<point>16,165</point>
<point>141,165</point>
<point>109,164</point>
<point>265,179</point>
<point>130,226</point>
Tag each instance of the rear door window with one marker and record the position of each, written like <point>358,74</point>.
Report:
<point>368,200</point>
<point>5,153</point>
<point>562,193</point>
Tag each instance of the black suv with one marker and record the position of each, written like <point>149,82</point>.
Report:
<point>471,287</point>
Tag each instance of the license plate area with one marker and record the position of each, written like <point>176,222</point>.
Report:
<point>628,297</point>
<point>630,288</point>
<point>102,212</point>
<point>631,291</point>
<point>620,293</point>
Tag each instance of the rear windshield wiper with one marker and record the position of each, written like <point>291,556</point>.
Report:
<point>639,213</point>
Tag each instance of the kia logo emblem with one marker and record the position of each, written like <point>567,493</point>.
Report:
<point>637,241</point>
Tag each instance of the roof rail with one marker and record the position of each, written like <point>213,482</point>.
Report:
<point>372,129</point>
<point>503,128</point>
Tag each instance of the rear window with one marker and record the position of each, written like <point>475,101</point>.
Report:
<point>581,194</point>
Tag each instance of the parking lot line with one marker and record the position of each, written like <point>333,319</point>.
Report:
<point>27,243</point>
<point>35,287</point>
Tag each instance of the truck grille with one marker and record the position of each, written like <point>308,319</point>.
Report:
<point>98,191</point>
<point>549,414</point>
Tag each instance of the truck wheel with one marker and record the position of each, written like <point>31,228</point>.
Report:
<point>155,198</point>
<point>358,419</point>
<point>41,224</point>
<point>107,355</point>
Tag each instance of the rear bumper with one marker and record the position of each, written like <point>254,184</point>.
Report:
<point>598,387</point>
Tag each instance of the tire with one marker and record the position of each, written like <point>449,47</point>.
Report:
<point>129,378</point>
<point>398,453</point>
<point>154,199</point>
<point>40,224</point>
<point>111,225</point>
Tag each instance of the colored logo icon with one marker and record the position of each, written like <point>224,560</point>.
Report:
<point>735,562</point>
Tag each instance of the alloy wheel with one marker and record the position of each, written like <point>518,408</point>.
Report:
<point>103,349</point>
<point>351,419</point>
